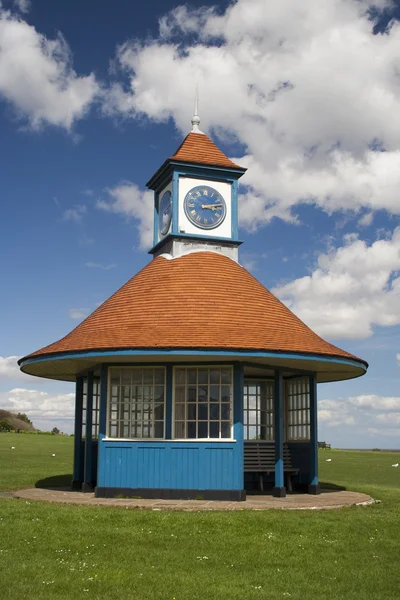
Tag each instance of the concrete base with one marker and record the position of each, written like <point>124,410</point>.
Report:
<point>279,492</point>
<point>314,489</point>
<point>87,488</point>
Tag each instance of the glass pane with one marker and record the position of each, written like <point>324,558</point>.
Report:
<point>192,376</point>
<point>159,392</point>
<point>191,411</point>
<point>192,396</point>
<point>158,429</point>
<point>225,430</point>
<point>214,393</point>
<point>159,376</point>
<point>179,412</point>
<point>179,394</point>
<point>215,376</point>
<point>179,430</point>
<point>159,411</point>
<point>203,394</point>
<point>203,376</point>
<point>191,429</point>
<point>148,376</point>
<point>180,376</point>
<point>203,412</point>
<point>225,412</point>
<point>126,376</point>
<point>137,376</point>
<point>214,412</point>
<point>203,430</point>
<point>225,393</point>
<point>114,377</point>
<point>214,430</point>
<point>226,376</point>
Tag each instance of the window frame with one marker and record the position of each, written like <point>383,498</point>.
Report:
<point>258,381</point>
<point>294,440</point>
<point>232,404</point>
<point>110,438</point>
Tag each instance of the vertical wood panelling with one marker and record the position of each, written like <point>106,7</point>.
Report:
<point>202,466</point>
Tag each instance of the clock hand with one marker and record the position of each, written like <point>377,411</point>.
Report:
<point>212,206</point>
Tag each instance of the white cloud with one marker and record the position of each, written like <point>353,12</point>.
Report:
<point>127,199</point>
<point>398,359</point>
<point>9,368</point>
<point>75,214</point>
<point>40,406</point>
<point>374,402</point>
<point>22,5</point>
<point>307,88</point>
<point>37,77</point>
<point>360,417</point>
<point>78,313</point>
<point>353,288</point>
<point>93,265</point>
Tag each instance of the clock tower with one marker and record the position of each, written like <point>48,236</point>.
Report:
<point>196,199</point>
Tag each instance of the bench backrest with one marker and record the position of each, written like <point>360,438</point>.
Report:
<point>261,457</point>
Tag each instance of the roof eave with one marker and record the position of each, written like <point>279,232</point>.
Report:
<point>167,167</point>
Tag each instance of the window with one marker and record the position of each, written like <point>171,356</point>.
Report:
<point>258,410</point>
<point>203,402</point>
<point>298,408</point>
<point>136,402</point>
<point>96,408</point>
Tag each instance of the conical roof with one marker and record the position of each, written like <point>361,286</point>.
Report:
<point>199,148</point>
<point>202,300</point>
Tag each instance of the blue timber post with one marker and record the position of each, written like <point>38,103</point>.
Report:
<point>313,487</point>
<point>78,476</point>
<point>238,386</point>
<point>168,404</point>
<point>87,485</point>
<point>102,421</point>
<point>279,490</point>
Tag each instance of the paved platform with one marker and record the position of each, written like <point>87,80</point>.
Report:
<point>326,500</point>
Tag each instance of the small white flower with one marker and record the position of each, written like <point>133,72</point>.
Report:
<point>12,447</point>
<point>328,460</point>
<point>395,465</point>
<point>53,454</point>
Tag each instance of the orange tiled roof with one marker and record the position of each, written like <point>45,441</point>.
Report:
<point>200,300</point>
<point>198,148</point>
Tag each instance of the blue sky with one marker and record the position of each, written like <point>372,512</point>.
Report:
<point>94,98</point>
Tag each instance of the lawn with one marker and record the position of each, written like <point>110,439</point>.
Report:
<point>58,551</point>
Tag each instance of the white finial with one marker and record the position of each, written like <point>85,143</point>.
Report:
<point>196,118</point>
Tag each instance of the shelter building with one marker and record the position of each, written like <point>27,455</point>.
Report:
<point>193,380</point>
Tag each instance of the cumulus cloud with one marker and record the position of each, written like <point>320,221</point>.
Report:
<point>41,407</point>
<point>9,368</point>
<point>129,200</point>
<point>307,88</point>
<point>352,289</point>
<point>37,77</point>
<point>398,359</point>
<point>371,414</point>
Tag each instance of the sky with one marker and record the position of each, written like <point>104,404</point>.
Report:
<point>95,96</point>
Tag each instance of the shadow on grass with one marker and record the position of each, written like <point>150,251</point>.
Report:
<point>56,481</point>
<point>327,485</point>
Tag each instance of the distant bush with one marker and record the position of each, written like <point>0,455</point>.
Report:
<point>376,449</point>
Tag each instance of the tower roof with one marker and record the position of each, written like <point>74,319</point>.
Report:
<point>202,300</point>
<point>197,148</point>
<point>200,149</point>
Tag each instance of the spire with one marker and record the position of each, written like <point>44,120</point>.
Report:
<point>196,118</point>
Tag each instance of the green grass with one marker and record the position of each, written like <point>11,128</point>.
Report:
<point>58,551</point>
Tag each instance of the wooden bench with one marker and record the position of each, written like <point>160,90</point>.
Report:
<point>259,458</point>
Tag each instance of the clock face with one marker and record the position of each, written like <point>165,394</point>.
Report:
<point>204,207</point>
<point>165,213</point>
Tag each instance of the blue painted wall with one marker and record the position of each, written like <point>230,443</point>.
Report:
<point>170,465</point>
